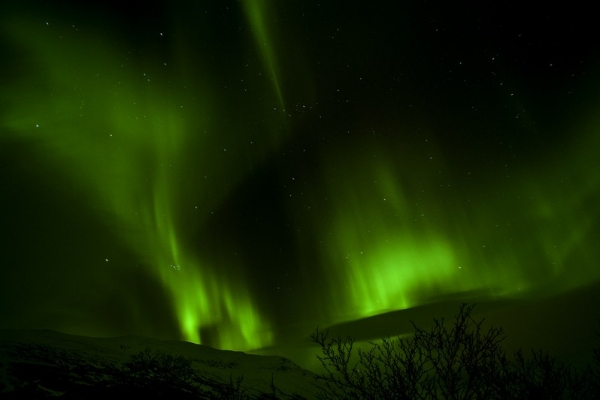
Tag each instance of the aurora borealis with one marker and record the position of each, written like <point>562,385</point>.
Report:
<point>235,173</point>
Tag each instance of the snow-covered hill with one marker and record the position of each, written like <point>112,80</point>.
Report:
<point>42,363</point>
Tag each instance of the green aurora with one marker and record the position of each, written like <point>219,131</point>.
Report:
<point>159,135</point>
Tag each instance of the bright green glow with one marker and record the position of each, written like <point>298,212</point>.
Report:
<point>394,273</point>
<point>383,260</point>
<point>110,128</point>
<point>395,238</point>
<point>389,227</point>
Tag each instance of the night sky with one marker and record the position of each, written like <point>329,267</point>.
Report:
<point>237,173</point>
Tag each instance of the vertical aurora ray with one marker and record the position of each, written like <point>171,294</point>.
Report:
<point>274,166</point>
<point>94,118</point>
<point>394,236</point>
<point>257,15</point>
<point>384,257</point>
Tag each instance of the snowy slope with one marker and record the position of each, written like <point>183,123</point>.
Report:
<point>38,364</point>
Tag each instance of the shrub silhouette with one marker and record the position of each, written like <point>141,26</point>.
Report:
<point>160,373</point>
<point>462,361</point>
<point>153,374</point>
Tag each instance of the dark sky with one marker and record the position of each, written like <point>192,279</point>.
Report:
<point>235,173</point>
